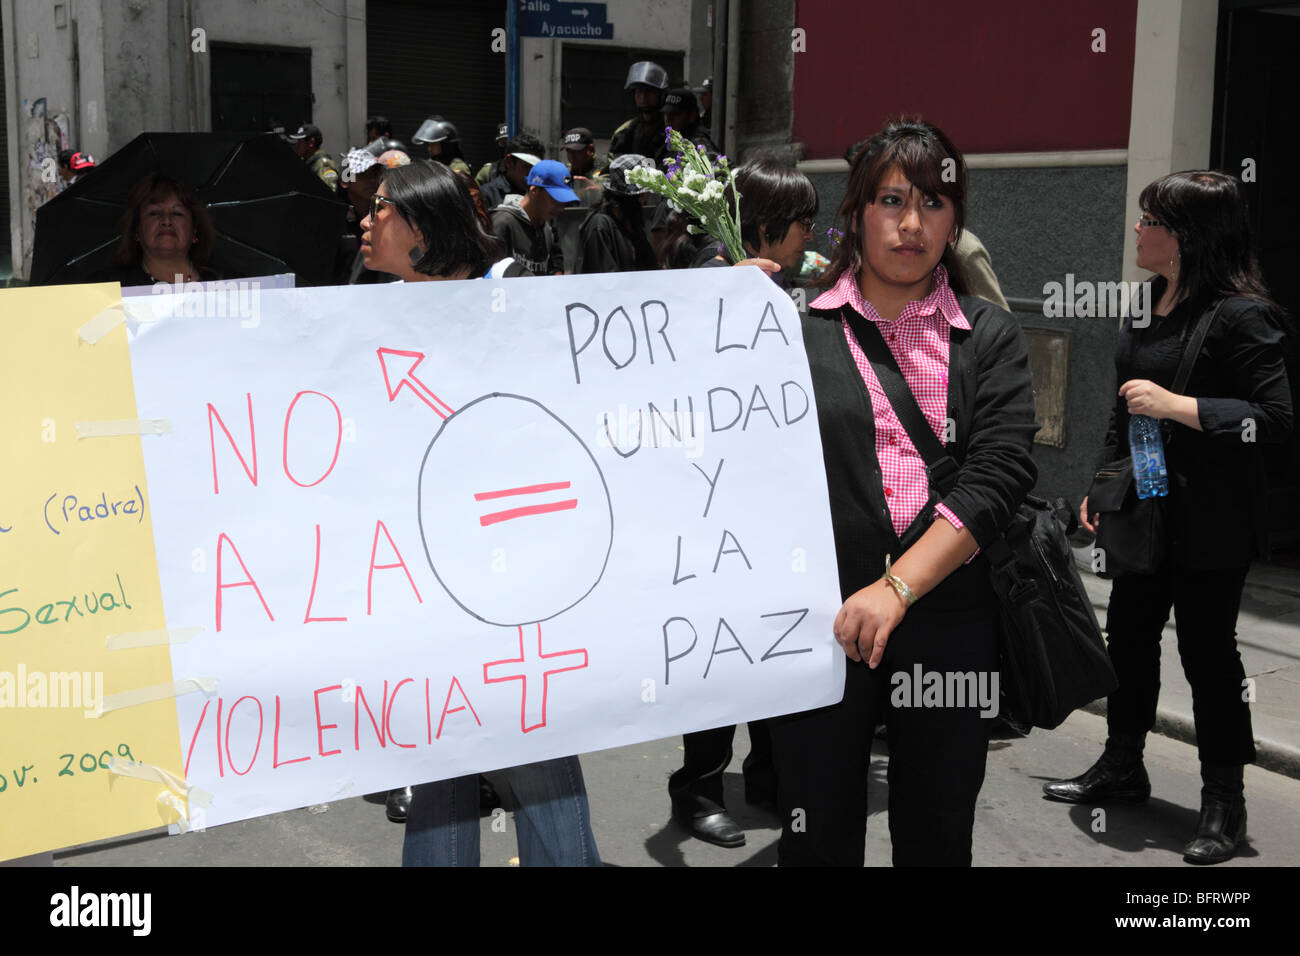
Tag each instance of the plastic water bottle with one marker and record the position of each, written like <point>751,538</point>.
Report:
<point>1148,457</point>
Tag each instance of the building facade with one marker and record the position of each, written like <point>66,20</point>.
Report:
<point>1064,111</point>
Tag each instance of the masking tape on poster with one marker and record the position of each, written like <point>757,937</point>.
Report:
<point>147,695</point>
<point>146,771</point>
<point>130,639</point>
<point>108,429</point>
<point>102,324</point>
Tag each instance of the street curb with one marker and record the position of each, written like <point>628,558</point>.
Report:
<point>1269,754</point>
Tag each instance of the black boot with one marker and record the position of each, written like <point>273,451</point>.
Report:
<point>1222,826</point>
<point>1118,776</point>
<point>398,803</point>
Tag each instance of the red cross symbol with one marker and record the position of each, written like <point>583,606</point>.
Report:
<point>531,671</point>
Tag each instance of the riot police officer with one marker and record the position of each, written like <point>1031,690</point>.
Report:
<point>443,143</point>
<point>645,133</point>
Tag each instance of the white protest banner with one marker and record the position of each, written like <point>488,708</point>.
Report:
<point>446,527</point>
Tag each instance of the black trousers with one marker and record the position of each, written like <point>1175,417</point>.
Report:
<point>936,753</point>
<point>708,753</point>
<point>1205,607</point>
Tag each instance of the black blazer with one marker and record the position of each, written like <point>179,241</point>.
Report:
<point>991,402</point>
<point>1217,490</point>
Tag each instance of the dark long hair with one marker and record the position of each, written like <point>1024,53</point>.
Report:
<point>774,196</point>
<point>1207,214</point>
<point>919,150</point>
<point>432,199</point>
<point>677,247</point>
<point>156,187</point>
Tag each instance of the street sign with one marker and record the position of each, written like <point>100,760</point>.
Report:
<point>553,19</point>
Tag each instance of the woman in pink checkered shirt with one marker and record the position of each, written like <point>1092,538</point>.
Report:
<point>920,620</point>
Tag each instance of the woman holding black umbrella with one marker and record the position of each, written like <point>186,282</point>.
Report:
<point>166,236</point>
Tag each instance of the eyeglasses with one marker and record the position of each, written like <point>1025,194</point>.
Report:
<point>1146,222</point>
<point>807,223</point>
<point>375,202</point>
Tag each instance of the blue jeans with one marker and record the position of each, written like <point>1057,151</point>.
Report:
<point>553,819</point>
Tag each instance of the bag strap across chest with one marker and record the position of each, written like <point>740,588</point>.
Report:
<point>939,465</point>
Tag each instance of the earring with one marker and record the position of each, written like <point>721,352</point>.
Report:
<point>1173,272</point>
<point>415,255</point>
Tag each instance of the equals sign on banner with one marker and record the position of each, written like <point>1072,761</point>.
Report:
<point>525,510</point>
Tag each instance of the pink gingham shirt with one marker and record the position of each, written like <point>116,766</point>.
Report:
<point>919,341</point>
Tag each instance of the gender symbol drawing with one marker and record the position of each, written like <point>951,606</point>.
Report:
<point>502,480</point>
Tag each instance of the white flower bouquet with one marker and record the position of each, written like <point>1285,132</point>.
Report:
<point>696,185</point>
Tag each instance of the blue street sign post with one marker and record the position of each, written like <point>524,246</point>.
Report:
<point>512,71</point>
<point>554,19</point>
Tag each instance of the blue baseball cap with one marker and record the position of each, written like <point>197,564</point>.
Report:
<point>553,177</point>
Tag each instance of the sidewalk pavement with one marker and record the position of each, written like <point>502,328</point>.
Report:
<point>1267,630</point>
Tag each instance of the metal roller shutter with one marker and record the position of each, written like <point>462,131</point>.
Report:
<point>4,170</point>
<point>435,56</point>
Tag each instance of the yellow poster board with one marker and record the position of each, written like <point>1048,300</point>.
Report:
<point>77,565</point>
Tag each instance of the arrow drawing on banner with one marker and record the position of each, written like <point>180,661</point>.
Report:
<point>407,363</point>
<point>580,12</point>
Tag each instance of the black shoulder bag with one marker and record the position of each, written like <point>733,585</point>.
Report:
<point>1053,657</point>
<point>1131,533</point>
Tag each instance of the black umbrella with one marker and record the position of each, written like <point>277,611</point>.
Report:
<point>271,213</point>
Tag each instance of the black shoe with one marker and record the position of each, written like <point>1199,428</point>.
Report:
<point>705,819</point>
<point>398,803</point>
<point>716,828</point>
<point>1222,825</point>
<point>1108,780</point>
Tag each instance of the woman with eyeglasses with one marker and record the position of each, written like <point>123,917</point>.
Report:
<point>778,207</point>
<point>1194,235</point>
<point>422,227</point>
<point>778,210</point>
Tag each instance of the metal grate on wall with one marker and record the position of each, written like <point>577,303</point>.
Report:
<point>435,57</point>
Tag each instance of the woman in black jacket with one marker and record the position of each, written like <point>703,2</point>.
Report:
<point>919,606</point>
<point>1194,234</point>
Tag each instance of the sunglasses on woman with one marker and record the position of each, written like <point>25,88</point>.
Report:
<point>375,201</point>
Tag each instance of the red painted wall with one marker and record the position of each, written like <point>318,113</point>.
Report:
<point>997,76</point>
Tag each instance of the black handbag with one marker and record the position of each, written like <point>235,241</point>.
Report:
<point>1131,534</point>
<point>1053,658</point>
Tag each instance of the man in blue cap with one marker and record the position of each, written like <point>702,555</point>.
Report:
<point>523,223</point>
